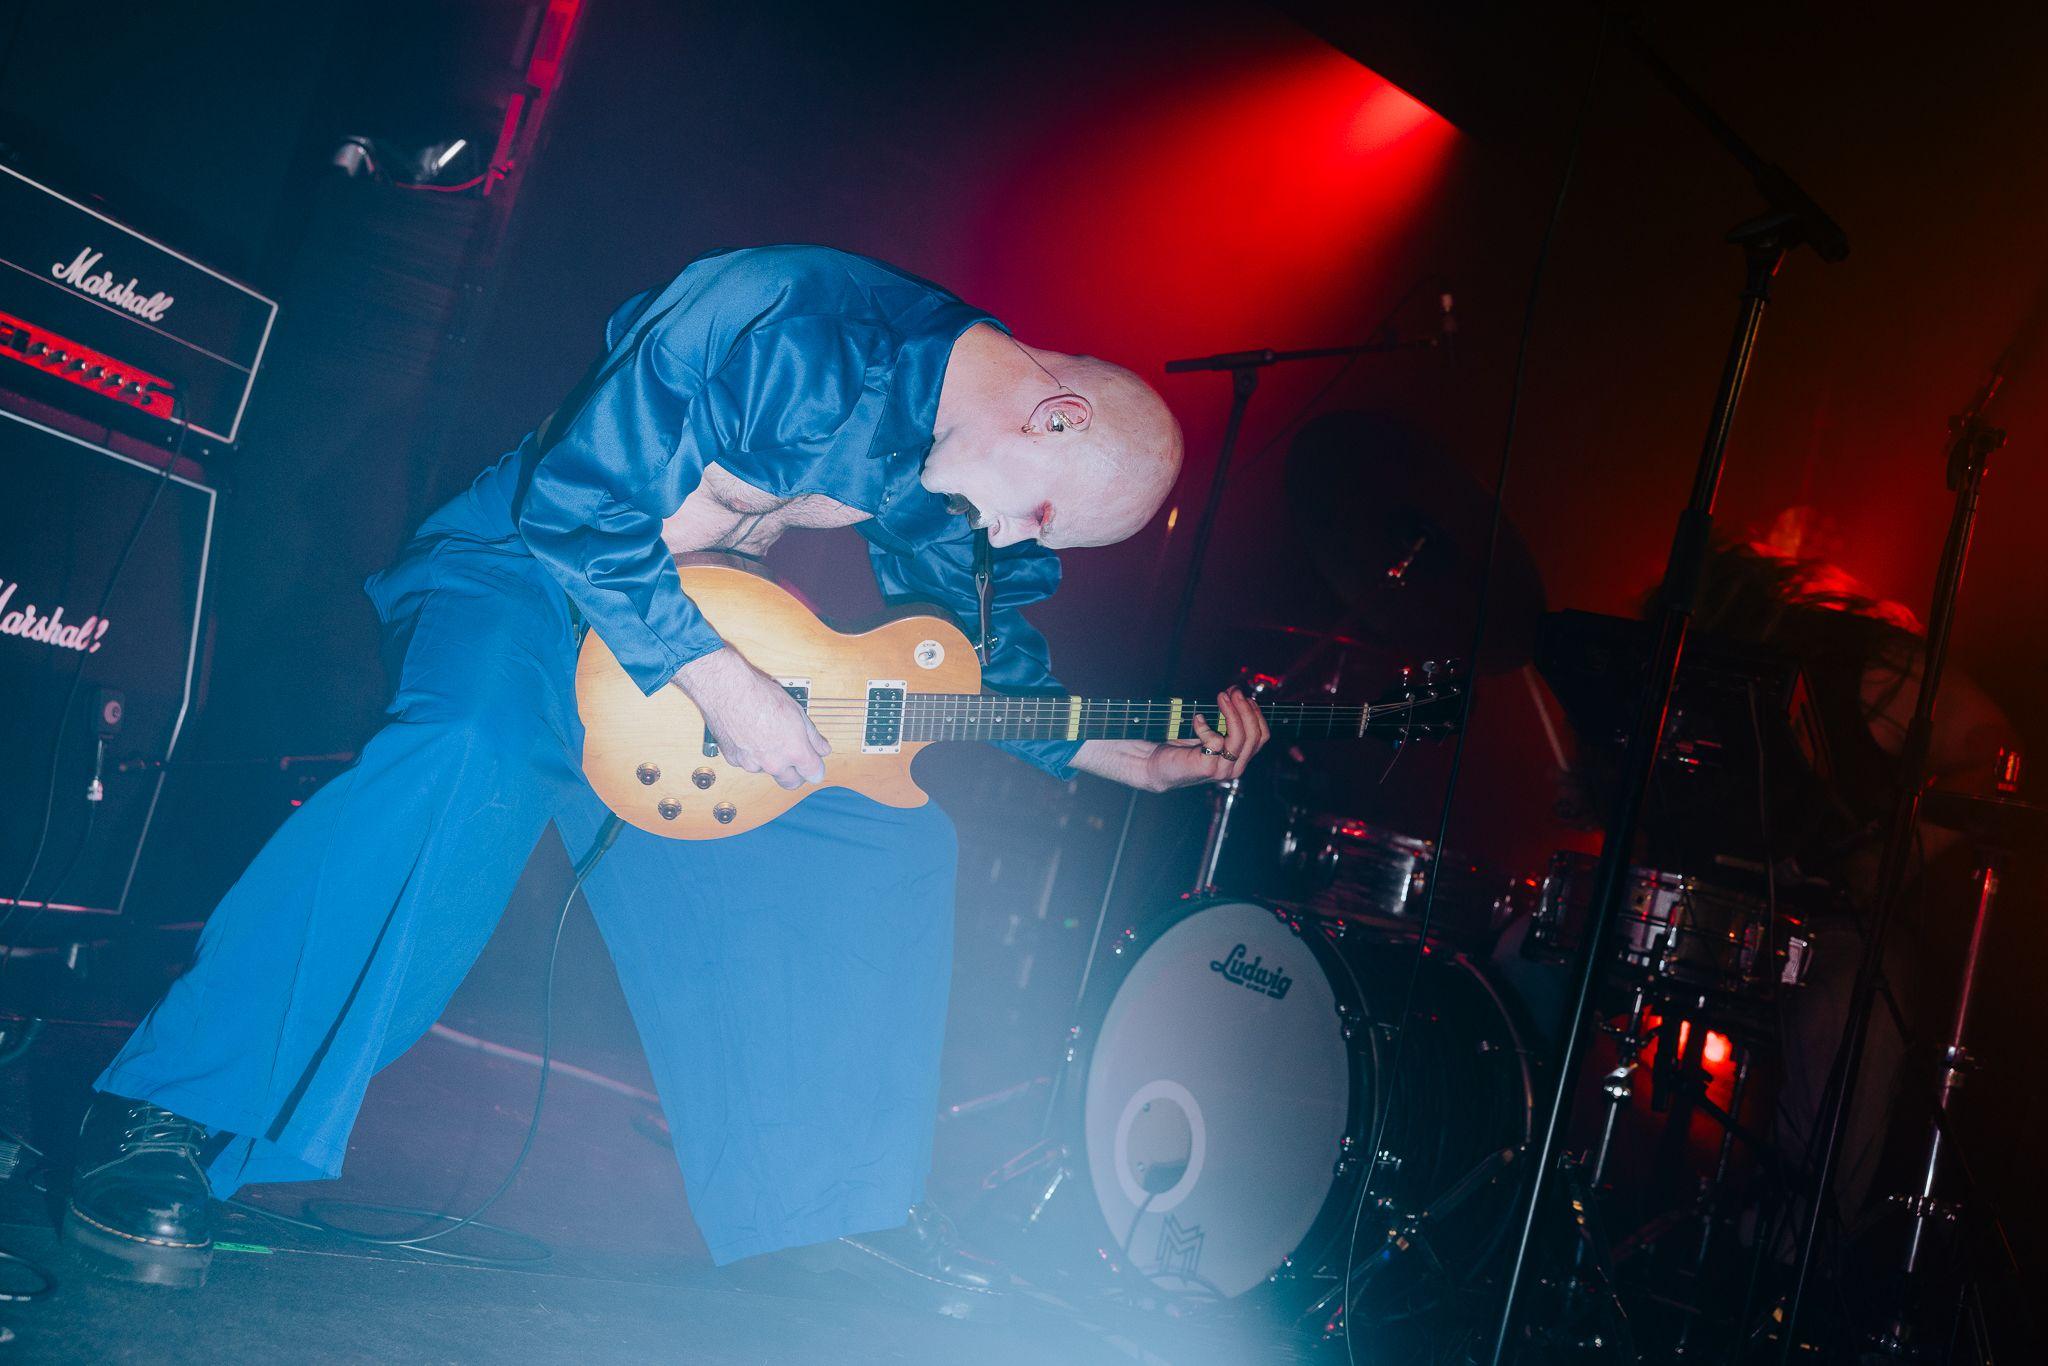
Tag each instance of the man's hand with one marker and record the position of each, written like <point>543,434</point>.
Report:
<point>759,727</point>
<point>1211,757</point>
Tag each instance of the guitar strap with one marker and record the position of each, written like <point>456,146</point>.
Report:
<point>984,593</point>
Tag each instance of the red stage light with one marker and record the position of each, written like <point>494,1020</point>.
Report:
<point>1270,208</point>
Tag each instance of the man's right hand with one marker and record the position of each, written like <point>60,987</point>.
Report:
<point>759,726</point>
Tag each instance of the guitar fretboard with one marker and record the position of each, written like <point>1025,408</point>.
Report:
<point>956,716</point>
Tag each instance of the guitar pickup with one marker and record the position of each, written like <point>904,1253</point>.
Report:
<point>882,731</point>
<point>798,688</point>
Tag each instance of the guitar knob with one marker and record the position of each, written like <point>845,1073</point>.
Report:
<point>670,808</point>
<point>703,777</point>
<point>724,812</point>
<point>648,774</point>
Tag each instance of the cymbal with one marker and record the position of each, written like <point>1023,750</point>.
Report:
<point>1398,530</point>
<point>1305,633</point>
<point>1301,661</point>
<point>2000,822</point>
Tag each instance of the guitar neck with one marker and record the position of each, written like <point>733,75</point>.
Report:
<point>957,716</point>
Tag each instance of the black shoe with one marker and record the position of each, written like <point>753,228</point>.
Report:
<point>138,1194</point>
<point>923,1264</point>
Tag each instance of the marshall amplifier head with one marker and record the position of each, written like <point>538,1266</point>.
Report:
<point>99,319</point>
<point>67,510</point>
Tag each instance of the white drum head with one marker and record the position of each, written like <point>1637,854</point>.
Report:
<point>1218,1092</point>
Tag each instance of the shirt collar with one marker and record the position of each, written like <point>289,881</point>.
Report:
<point>910,512</point>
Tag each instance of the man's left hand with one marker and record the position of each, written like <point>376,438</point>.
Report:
<point>1212,756</point>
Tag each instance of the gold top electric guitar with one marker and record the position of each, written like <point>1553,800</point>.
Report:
<point>879,697</point>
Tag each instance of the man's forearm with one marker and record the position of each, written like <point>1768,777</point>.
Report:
<point>1120,761</point>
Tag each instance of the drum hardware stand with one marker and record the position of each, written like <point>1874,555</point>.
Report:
<point>1710,1201</point>
<point>1794,220</point>
<point>1973,440</point>
<point>1222,801</point>
<point>1590,1285</point>
<point>1618,1088</point>
<point>1924,1208</point>
<point>1408,1231</point>
<point>1591,1315</point>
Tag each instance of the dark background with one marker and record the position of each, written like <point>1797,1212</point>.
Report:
<point>1139,181</point>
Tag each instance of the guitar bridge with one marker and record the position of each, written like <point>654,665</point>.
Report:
<point>882,732</point>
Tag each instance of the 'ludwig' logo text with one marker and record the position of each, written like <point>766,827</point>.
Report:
<point>102,286</point>
<point>1272,981</point>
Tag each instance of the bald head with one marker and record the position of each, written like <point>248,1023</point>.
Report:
<point>1125,457</point>
<point>1063,449</point>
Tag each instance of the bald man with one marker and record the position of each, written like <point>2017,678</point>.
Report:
<point>789,984</point>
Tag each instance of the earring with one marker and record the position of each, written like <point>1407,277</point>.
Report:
<point>1057,422</point>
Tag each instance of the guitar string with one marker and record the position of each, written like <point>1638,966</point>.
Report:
<point>1063,708</point>
<point>1063,714</point>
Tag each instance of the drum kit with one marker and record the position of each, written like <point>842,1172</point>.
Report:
<point>1314,1088</point>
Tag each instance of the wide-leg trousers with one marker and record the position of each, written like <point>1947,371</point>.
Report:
<point>789,984</point>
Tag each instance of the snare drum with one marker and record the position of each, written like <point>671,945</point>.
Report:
<point>1673,928</point>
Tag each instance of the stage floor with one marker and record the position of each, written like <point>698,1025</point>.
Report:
<point>628,1279</point>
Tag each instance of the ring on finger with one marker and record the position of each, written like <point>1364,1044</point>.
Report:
<point>1210,753</point>
<point>1226,754</point>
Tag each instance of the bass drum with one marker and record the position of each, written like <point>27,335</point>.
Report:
<point>1224,1092</point>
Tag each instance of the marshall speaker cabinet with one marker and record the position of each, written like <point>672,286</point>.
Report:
<point>97,319</point>
<point>68,511</point>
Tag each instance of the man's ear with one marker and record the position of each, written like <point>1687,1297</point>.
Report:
<point>1061,413</point>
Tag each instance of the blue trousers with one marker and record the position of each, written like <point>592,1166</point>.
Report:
<point>789,984</point>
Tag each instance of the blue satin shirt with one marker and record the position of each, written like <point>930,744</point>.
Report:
<point>798,369</point>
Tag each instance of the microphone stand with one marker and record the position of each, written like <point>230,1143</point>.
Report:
<point>1244,368</point>
<point>1794,220</point>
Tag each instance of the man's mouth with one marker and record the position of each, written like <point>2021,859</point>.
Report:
<point>960,506</point>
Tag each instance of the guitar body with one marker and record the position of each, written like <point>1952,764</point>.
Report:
<point>646,756</point>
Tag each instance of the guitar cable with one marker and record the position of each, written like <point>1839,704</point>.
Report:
<point>539,1252</point>
<point>1574,142</point>
<point>546,436</point>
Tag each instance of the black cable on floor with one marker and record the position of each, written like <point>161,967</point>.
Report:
<point>417,1242</point>
<point>1500,489</point>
